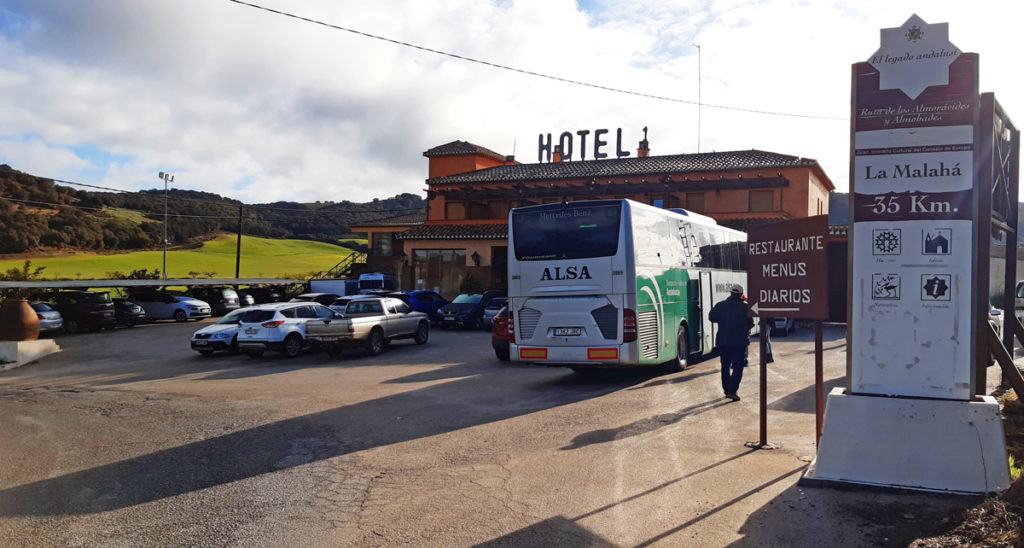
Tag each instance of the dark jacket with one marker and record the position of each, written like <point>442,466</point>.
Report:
<point>733,321</point>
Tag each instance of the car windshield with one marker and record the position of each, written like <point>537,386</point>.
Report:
<point>257,316</point>
<point>234,317</point>
<point>98,298</point>
<point>471,299</point>
<point>41,307</point>
<point>496,303</point>
<point>229,293</point>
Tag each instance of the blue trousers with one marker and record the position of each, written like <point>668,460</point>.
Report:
<point>734,359</point>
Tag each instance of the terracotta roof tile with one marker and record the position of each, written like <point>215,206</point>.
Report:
<point>456,232</point>
<point>457,148</point>
<point>619,167</point>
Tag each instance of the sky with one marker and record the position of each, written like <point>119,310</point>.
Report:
<point>262,107</point>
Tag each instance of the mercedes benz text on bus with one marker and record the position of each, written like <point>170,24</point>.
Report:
<point>616,283</point>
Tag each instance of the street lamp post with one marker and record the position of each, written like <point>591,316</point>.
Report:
<point>167,177</point>
<point>698,96</point>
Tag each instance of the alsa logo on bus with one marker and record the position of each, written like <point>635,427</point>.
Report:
<point>570,273</point>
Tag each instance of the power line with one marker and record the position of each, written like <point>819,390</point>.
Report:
<point>530,72</point>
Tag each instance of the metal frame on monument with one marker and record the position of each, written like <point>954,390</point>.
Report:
<point>998,168</point>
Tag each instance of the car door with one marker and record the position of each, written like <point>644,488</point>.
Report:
<point>326,324</point>
<point>406,319</point>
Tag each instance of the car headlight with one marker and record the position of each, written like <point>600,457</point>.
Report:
<point>190,307</point>
<point>220,336</point>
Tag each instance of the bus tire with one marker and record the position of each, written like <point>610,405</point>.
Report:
<point>682,359</point>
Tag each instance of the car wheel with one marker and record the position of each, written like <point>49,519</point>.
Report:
<point>502,353</point>
<point>206,352</point>
<point>475,323</point>
<point>233,347</point>
<point>375,342</point>
<point>71,326</point>
<point>682,359</point>
<point>254,353</point>
<point>130,323</point>
<point>422,333</point>
<point>110,327</point>
<point>292,345</point>
<point>180,315</point>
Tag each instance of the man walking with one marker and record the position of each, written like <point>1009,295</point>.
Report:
<point>733,338</point>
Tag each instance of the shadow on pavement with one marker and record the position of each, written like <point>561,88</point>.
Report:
<point>567,532</point>
<point>642,426</point>
<point>802,401</point>
<point>850,516</point>
<point>415,414</point>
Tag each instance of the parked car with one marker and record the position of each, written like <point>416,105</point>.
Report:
<point>491,309</point>
<point>128,313</point>
<point>278,326</point>
<point>428,302</point>
<point>263,295</point>
<point>221,299</point>
<point>339,304</point>
<point>500,335</point>
<point>466,310</point>
<point>781,326</point>
<point>91,310</point>
<point>222,335</point>
<point>245,299</point>
<point>49,319</point>
<point>162,305</point>
<point>372,323</point>
<point>322,298</point>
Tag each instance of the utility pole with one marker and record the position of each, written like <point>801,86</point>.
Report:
<point>167,177</point>
<point>698,96</point>
<point>238,248</point>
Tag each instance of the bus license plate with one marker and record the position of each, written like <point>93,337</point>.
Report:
<point>568,331</point>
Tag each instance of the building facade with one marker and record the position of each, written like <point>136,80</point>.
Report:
<point>462,242</point>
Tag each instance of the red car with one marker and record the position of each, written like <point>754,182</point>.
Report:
<point>500,335</point>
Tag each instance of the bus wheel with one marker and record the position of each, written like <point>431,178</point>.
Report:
<point>682,360</point>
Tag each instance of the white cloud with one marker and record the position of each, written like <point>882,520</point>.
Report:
<point>262,107</point>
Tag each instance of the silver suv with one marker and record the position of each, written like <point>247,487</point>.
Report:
<point>278,326</point>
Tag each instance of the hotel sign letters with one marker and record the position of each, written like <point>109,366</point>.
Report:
<point>581,141</point>
<point>912,216</point>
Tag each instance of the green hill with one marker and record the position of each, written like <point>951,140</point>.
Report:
<point>261,258</point>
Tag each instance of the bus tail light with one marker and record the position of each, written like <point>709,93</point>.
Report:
<point>628,325</point>
<point>511,327</point>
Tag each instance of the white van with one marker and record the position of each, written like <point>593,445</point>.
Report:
<point>369,283</point>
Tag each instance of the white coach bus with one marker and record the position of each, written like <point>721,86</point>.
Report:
<point>616,283</point>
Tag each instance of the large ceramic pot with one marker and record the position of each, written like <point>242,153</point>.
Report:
<point>18,322</point>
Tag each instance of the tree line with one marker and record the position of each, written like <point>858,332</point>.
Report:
<point>37,214</point>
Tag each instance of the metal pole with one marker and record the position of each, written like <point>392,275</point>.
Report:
<point>238,247</point>
<point>819,383</point>
<point>764,381</point>
<point>699,81</point>
<point>166,177</point>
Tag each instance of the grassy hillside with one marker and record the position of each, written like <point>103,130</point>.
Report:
<point>261,258</point>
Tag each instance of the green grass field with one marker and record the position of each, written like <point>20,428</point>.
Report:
<point>261,258</point>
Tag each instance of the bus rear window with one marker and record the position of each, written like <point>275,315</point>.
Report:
<point>566,232</point>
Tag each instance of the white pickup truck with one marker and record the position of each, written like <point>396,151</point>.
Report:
<point>370,322</point>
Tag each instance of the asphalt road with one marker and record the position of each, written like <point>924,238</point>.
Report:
<point>130,438</point>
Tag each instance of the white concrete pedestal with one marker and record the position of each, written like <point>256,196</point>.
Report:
<point>18,353</point>
<point>934,445</point>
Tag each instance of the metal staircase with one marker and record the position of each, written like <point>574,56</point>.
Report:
<point>343,269</point>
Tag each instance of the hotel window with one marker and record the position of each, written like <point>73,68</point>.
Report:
<point>695,202</point>
<point>762,200</point>
<point>455,210</point>
<point>381,244</point>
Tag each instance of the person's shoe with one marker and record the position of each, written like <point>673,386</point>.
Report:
<point>733,397</point>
